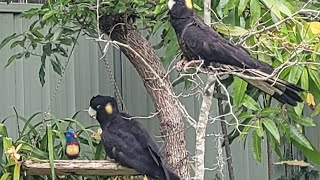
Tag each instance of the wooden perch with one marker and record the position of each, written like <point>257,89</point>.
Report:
<point>77,167</point>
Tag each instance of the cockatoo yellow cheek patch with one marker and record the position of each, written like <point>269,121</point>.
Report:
<point>108,108</point>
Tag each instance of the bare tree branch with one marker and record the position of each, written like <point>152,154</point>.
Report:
<point>207,96</point>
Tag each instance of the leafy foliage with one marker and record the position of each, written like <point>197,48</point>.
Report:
<point>44,143</point>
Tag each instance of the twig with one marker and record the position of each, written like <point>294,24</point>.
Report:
<point>226,140</point>
<point>275,25</point>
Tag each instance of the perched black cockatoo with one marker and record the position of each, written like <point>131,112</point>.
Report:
<point>127,141</point>
<point>72,147</point>
<point>199,41</point>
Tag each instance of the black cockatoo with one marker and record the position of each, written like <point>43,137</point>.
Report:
<point>127,141</point>
<point>199,41</point>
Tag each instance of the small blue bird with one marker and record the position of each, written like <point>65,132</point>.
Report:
<point>72,148</point>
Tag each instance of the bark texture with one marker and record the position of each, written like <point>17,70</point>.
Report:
<point>207,96</point>
<point>148,64</point>
<point>201,128</point>
<point>77,167</point>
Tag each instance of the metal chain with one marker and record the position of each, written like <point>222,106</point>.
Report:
<point>113,81</point>
<point>55,92</point>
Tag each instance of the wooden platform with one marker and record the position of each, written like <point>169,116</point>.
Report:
<point>77,167</point>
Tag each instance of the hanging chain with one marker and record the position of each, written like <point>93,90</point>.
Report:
<point>55,92</point>
<point>113,81</point>
<point>58,85</point>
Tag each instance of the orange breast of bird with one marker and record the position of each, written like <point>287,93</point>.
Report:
<point>72,150</point>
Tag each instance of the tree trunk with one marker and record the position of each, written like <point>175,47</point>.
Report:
<point>149,66</point>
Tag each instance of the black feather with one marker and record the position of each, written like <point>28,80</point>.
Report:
<point>128,142</point>
<point>199,41</point>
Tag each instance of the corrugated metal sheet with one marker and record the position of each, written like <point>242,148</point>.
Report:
<point>86,76</point>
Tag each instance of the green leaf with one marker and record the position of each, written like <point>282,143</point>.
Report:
<point>47,49</point>
<point>31,12</point>
<point>8,39</point>
<point>20,55</point>
<point>14,44</point>
<point>274,144</point>
<point>57,34</point>
<point>27,124</point>
<point>37,34</point>
<point>171,51</point>
<point>246,130</point>
<point>33,24</point>
<point>312,155</point>
<point>27,55</point>
<point>270,111</point>
<point>316,111</point>
<point>299,108</point>
<point>51,151</point>
<point>5,176</point>
<point>16,171</point>
<point>3,130</point>
<point>230,5</point>
<point>256,146</point>
<point>255,11</point>
<point>99,151</point>
<point>41,70</point>
<point>34,150</point>
<point>305,79</point>
<point>3,134</point>
<point>7,143</point>
<point>299,138</point>
<point>271,127</point>
<point>315,54</point>
<point>273,5</point>
<point>295,74</point>
<point>245,115</point>
<point>259,130</point>
<point>250,103</point>
<point>47,15</point>
<point>284,9</point>
<point>62,51</point>
<point>239,89</point>
<point>305,121</point>
<point>66,41</point>
<point>61,137</point>
<point>315,74</point>
<point>231,30</point>
<point>42,75</point>
<point>10,60</point>
<point>242,6</point>
<point>56,67</point>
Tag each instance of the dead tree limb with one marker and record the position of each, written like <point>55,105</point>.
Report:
<point>201,127</point>
<point>77,167</point>
<point>226,140</point>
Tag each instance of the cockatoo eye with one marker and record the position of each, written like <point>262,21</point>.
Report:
<point>98,106</point>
